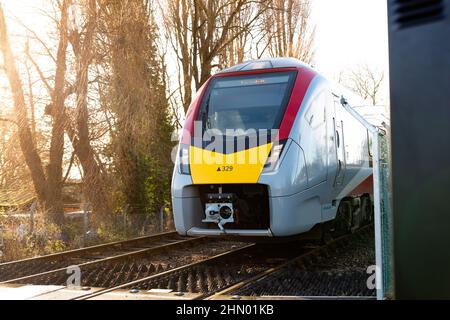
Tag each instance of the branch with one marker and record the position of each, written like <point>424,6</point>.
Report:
<point>47,49</point>
<point>29,150</point>
<point>9,120</point>
<point>39,71</point>
<point>72,158</point>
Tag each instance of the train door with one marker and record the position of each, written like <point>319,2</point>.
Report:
<point>340,146</point>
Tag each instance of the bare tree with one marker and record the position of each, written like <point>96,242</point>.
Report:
<point>94,179</point>
<point>47,184</point>
<point>54,169</point>
<point>14,174</point>
<point>365,81</point>
<point>240,46</point>
<point>25,136</point>
<point>287,30</point>
<point>202,30</point>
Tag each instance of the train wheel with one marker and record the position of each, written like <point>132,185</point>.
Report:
<point>366,210</point>
<point>327,232</point>
<point>343,221</point>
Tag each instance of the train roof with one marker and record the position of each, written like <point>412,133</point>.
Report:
<point>271,63</point>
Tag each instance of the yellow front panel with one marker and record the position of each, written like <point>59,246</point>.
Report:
<point>208,167</point>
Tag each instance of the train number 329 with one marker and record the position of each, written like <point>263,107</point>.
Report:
<point>225,169</point>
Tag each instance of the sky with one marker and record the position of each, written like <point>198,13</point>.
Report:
<point>348,33</point>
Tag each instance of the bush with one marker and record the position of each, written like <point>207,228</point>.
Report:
<point>20,243</point>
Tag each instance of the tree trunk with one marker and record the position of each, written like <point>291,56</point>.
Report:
<point>54,203</point>
<point>94,180</point>
<point>205,74</point>
<point>187,88</point>
<point>30,153</point>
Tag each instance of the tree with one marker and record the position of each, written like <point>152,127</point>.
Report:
<point>14,173</point>
<point>82,41</point>
<point>365,81</point>
<point>47,183</point>
<point>140,140</point>
<point>239,39</point>
<point>202,30</point>
<point>287,30</point>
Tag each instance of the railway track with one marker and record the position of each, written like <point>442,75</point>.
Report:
<point>19,268</point>
<point>113,264</point>
<point>145,281</point>
<point>291,277</point>
<point>12,271</point>
<point>210,274</point>
<point>196,268</point>
<point>237,272</point>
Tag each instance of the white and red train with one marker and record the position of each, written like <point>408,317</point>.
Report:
<point>313,163</point>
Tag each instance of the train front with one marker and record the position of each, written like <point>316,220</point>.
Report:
<point>230,163</point>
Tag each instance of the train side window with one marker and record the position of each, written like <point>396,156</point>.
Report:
<point>315,142</point>
<point>316,114</point>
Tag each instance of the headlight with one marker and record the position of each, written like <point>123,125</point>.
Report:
<point>184,160</point>
<point>275,154</point>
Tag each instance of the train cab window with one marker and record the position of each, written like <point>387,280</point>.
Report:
<point>247,102</point>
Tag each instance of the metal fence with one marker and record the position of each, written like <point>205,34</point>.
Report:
<point>382,206</point>
<point>386,223</point>
<point>22,223</point>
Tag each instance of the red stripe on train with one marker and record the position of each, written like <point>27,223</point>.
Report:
<point>191,115</point>
<point>364,187</point>
<point>304,78</point>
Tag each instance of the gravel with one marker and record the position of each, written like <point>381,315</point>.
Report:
<point>337,272</point>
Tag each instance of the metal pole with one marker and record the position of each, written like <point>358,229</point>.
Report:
<point>32,212</point>
<point>85,223</point>
<point>124,213</point>
<point>377,214</point>
<point>161,219</point>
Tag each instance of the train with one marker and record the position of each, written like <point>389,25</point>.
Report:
<point>270,149</point>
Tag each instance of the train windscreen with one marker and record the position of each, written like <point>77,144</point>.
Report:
<point>247,102</point>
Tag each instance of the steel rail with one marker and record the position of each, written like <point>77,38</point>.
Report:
<point>270,271</point>
<point>165,273</point>
<point>119,257</point>
<point>81,251</point>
